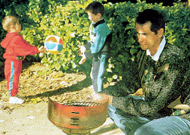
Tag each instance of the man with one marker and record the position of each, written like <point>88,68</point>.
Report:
<point>159,71</point>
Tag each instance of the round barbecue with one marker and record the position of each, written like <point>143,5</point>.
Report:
<point>77,117</point>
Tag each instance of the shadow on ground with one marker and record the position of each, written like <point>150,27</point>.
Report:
<point>80,85</point>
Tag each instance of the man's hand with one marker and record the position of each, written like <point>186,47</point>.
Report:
<point>139,93</point>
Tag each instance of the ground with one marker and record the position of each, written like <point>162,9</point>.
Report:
<point>35,86</point>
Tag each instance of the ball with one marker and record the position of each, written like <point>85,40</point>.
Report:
<point>53,44</point>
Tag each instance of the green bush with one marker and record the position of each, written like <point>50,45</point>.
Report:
<point>121,19</point>
<point>68,20</point>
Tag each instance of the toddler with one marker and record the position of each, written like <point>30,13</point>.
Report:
<point>16,50</point>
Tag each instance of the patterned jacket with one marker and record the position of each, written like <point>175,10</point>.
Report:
<point>162,82</point>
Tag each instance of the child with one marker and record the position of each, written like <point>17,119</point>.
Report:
<point>99,33</point>
<point>16,50</point>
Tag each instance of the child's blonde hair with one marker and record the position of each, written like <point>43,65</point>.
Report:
<point>8,21</point>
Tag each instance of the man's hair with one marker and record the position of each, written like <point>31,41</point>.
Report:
<point>153,16</point>
<point>8,21</point>
<point>95,8</point>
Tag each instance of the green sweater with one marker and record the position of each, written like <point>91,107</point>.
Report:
<point>162,82</point>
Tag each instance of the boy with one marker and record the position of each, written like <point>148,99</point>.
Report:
<point>16,50</point>
<point>99,38</point>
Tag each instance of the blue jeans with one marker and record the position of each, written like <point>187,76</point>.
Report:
<point>98,69</point>
<point>99,65</point>
<point>136,125</point>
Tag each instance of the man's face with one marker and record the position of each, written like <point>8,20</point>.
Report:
<point>94,18</point>
<point>147,38</point>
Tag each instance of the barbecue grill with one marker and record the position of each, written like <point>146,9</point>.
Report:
<point>77,118</point>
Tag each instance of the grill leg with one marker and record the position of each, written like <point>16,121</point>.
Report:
<point>76,132</point>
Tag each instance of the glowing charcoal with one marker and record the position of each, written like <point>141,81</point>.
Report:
<point>53,44</point>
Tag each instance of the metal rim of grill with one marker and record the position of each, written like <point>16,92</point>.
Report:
<point>82,104</point>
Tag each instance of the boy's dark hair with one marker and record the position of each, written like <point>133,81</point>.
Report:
<point>153,16</point>
<point>95,8</point>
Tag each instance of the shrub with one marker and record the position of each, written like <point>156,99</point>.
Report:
<point>68,20</point>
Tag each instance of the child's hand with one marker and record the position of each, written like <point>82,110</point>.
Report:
<point>42,49</point>
<point>82,60</point>
<point>82,50</point>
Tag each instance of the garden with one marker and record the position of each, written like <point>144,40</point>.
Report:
<point>60,76</point>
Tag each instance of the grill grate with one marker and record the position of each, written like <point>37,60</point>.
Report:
<point>83,104</point>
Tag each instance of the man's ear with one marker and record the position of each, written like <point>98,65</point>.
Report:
<point>161,32</point>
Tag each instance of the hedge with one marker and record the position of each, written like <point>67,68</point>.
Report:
<point>68,20</point>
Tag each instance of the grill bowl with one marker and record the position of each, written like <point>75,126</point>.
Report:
<point>79,115</point>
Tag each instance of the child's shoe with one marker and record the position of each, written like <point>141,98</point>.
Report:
<point>99,97</point>
<point>15,100</point>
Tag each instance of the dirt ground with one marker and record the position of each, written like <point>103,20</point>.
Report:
<point>36,85</point>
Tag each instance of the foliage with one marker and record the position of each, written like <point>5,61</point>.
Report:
<point>121,19</point>
<point>68,20</point>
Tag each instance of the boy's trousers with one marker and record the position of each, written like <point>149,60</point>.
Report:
<point>12,72</point>
<point>99,65</point>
